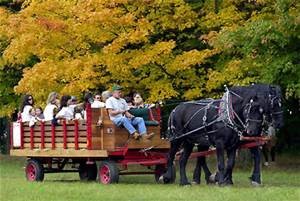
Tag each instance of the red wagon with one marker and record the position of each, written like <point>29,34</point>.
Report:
<point>49,148</point>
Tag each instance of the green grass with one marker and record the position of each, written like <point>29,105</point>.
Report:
<point>281,182</point>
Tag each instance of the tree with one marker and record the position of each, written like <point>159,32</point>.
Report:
<point>264,48</point>
<point>78,46</point>
<point>163,49</point>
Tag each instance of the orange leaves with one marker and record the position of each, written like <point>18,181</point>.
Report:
<point>51,24</point>
<point>84,45</point>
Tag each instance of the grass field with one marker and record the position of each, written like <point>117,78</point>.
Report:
<point>281,182</point>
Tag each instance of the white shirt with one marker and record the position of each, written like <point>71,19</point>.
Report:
<point>65,112</point>
<point>116,104</point>
<point>25,115</point>
<point>97,104</point>
<point>48,112</point>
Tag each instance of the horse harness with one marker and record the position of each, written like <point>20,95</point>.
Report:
<point>226,114</point>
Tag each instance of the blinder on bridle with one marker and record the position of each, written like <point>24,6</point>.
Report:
<point>248,109</point>
<point>275,101</point>
<point>247,114</point>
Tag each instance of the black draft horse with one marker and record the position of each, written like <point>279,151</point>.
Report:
<point>274,117</point>
<point>221,121</point>
<point>271,97</point>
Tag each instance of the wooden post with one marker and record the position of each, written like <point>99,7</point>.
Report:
<point>89,126</point>
<point>53,136</point>
<point>65,133</point>
<point>22,135</point>
<point>42,135</point>
<point>102,130</point>
<point>31,137</point>
<point>76,134</point>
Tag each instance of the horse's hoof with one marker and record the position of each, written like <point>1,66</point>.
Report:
<point>185,184</point>
<point>161,179</point>
<point>255,181</point>
<point>255,184</point>
<point>228,182</point>
<point>225,183</point>
<point>221,184</point>
<point>212,178</point>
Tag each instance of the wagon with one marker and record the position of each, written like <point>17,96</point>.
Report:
<point>88,148</point>
<point>96,151</point>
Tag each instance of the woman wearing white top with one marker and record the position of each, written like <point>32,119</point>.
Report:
<point>65,112</point>
<point>52,102</point>
<point>26,106</point>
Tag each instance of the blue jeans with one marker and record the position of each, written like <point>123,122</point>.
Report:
<point>130,124</point>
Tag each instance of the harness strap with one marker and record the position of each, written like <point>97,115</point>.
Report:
<point>195,130</point>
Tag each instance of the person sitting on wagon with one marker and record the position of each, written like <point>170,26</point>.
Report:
<point>105,95</point>
<point>118,113</point>
<point>51,107</point>
<point>138,102</point>
<point>26,106</point>
<point>39,114</point>
<point>65,112</point>
<point>97,102</point>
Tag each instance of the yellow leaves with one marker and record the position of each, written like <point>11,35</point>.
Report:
<point>226,17</point>
<point>18,51</point>
<point>66,77</point>
<point>4,14</point>
<point>152,54</point>
<point>194,93</point>
<point>234,73</point>
<point>8,110</point>
<point>161,90</point>
<point>189,59</point>
<point>83,45</point>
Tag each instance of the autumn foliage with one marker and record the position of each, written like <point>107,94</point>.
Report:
<point>164,49</point>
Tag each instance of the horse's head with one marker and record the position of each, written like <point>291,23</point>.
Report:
<point>276,107</point>
<point>249,106</point>
<point>253,115</point>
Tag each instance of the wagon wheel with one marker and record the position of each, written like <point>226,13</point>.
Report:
<point>87,172</point>
<point>160,170</point>
<point>34,170</point>
<point>108,172</point>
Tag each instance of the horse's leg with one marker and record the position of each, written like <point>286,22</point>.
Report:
<point>255,177</point>
<point>230,165</point>
<point>201,163</point>
<point>197,171</point>
<point>273,152</point>
<point>206,170</point>
<point>187,150</point>
<point>174,146</point>
<point>265,151</point>
<point>220,159</point>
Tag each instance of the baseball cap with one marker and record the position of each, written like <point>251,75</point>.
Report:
<point>116,87</point>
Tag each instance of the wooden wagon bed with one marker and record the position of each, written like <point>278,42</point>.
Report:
<point>79,138</point>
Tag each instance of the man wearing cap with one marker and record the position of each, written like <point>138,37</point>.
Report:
<point>118,113</point>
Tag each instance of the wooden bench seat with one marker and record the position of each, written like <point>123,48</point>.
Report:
<point>114,136</point>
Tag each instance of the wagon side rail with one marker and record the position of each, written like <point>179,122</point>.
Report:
<point>46,139</point>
